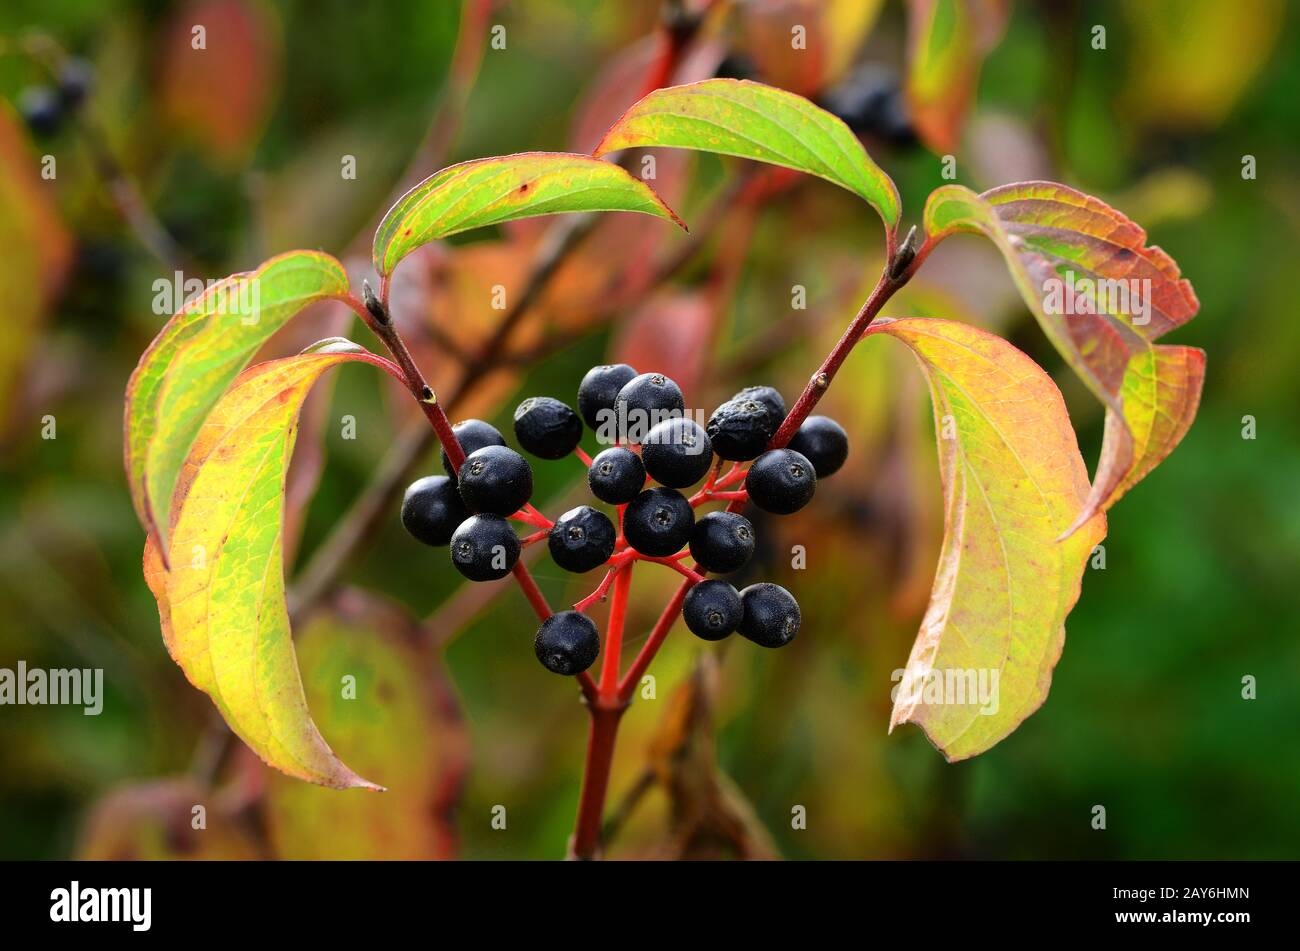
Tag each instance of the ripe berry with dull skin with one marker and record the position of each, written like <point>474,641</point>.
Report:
<point>472,434</point>
<point>712,610</point>
<point>432,509</point>
<point>547,428</point>
<point>722,541</point>
<point>658,522</point>
<point>567,643</point>
<point>677,452</point>
<point>484,548</point>
<point>581,539</point>
<point>781,481</point>
<point>496,479</point>
<point>771,615</point>
<point>599,388</point>
<point>616,475</point>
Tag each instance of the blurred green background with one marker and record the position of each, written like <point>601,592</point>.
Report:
<point>237,154</point>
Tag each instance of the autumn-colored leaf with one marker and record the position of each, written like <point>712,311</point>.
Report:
<point>216,85</point>
<point>35,250</point>
<point>754,121</point>
<point>806,45</point>
<point>947,43</point>
<point>196,356</point>
<point>223,611</point>
<point>1102,296</point>
<point>1013,481</point>
<point>384,701</point>
<point>505,188</point>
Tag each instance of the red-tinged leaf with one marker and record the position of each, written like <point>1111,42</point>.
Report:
<point>1013,480</point>
<point>35,251</point>
<point>829,34</point>
<point>223,604</point>
<point>219,94</point>
<point>754,121</point>
<point>154,821</point>
<point>505,188</point>
<point>1058,242</point>
<point>196,356</point>
<point>947,43</point>
<point>382,696</point>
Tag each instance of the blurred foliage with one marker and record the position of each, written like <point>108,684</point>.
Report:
<point>241,159</point>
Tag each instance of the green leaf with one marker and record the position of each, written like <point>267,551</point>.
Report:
<point>1057,241</point>
<point>196,356</point>
<point>401,725</point>
<point>222,602</point>
<point>754,121</point>
<point>1013,480</point>
<point>505,188</point>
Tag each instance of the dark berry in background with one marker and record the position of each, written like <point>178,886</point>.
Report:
<point>677,452</point>
<point>771,615</point>
<point>546,427</point>
<point>658,522</point>
<point>495,479</point>
<point>567,643</point>
<point>76,76</point>
<point>824,442</point>
<point>472,434</point>
<point>781,481</point>
<point>599,388</point>
<point>616,475</point>
<point>870,101</point>
<point>581,539</point>
<point>712,610</point>
<point>484,548</point>
<point>432,509</point>
<point>42,109</point>
<point>722,541</point>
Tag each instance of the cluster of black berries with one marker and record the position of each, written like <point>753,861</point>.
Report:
<point>469,509</point>
<point>44,108</point>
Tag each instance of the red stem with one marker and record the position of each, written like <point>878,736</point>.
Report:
<point>595,780</point>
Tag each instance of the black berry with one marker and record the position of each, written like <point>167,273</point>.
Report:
<point>658,522</point>
<point>495,479</point>
<point>567,643</point>
<point>432,509</point>
<point>823,442</point>
<point>722,541</point>
<point>712,610</point>
<point>547,428</point>
<point>645,401</point>
<point>677,452</point>
<point>616,475</point>
<point>484,548</point>
<point>75,79</point>
<point>770,398</point>
<point>781,481</point>
<point>472,434</point>
<point>581,539</point>
<point>741,428</point>
<point>41,109</point>
<point>598,389</point>
<point>771,615</point>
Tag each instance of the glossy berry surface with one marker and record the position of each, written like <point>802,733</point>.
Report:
<point>771,615</point>
<point>432,509</point>
<point>658,522</point>
<point>598,389</point>
<point>472,434</point>
<point>647,400</point>
<point>581,539</point>
<point>781,481</point>
<point>41,109</point>
<point>616,475</point>
<point>741,428</point>
<point>823,442</point>
<point>567,643</point>
<point>546,427</point>
<point>712,610</point>
<point>484,548</point>
<point>722,541</point>
<point>495,479</point>
<point>677,452</point>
